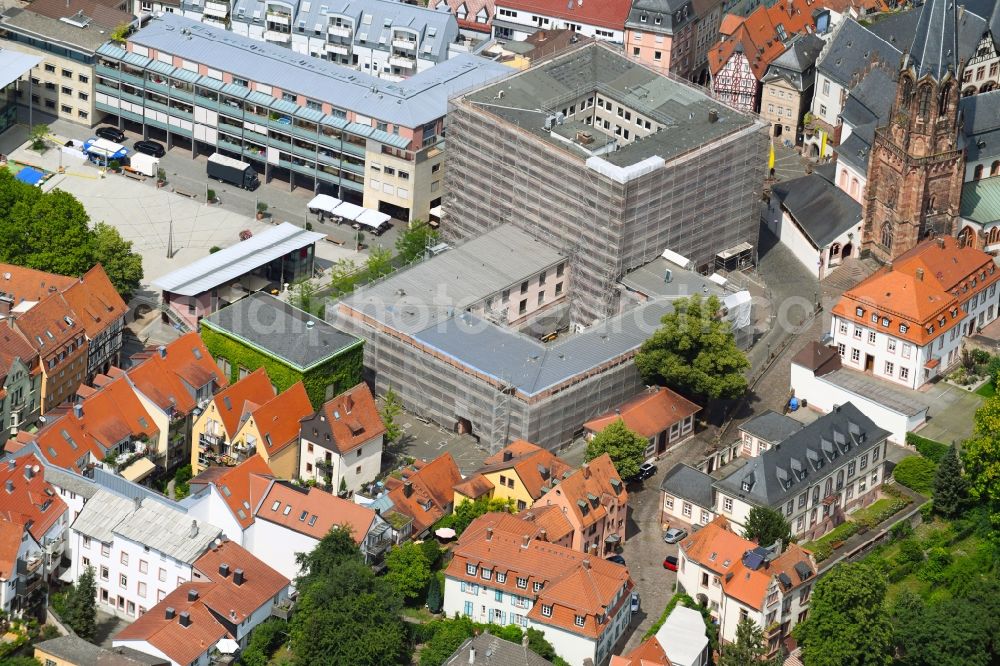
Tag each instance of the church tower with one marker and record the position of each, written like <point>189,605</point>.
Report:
<point>917,162</point>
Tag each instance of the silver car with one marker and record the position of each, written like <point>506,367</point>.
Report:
<point>674,534</point>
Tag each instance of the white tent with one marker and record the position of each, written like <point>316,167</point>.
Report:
<point>372,218</point>
<point>324,203</point>
<point>348,211</point>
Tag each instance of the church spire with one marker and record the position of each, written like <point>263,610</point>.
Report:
<point>934,50</point>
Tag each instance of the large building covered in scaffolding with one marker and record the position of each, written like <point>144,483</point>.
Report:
<point>467,339</point>
<point>608,161</point>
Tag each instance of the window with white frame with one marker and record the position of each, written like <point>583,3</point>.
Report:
<point>469,569</point>
<point>841,349</point>
<point>686,510</point>
<point>522,582</point>
<point>890,345</point>
<point>727,504</point>
<point>907,349</point>
<point>890,369</point>
<point>858,332</point>
<point>501,577</point>
<point>547,610</point>
<point>578,620</point>
<point>871,337</point>
<point>668,502</point>
<point>904,373</point>
<point>856,355</point>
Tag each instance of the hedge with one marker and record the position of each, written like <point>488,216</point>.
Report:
<point>928,448</point>
<point>879,511</point>
<point>822,548</point>
<point>916,473</point>
<point>343,371</point>
<point>674,600</point>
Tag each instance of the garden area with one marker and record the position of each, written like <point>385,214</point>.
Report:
<point>859,522</point>
<point>978,370</point>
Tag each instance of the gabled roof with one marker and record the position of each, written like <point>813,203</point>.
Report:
<point>686,482</point>
<point>589,490</point>
<point>26,284</point>
<point>93,298</point>
<point>851,49</point>
<point>820,209</point>
<point>649,413</point>
<point>605,13</point>
<point>236,402</point>
<point>171,376</point>
<point>14,345</point>
<point>11,534</point>
<point>488,650</point>
<point>114,413</point>
<point>233,600</point>
<point>475,486</point>
<point>425,490</point>
<point>762,36</point>
<point>26,497</point>
<point>242,487</point>
<point>783,471</point>
<point>277,420</point>
<point>535,467</point>
<point>946,261</point>
<point>771,426</point>
<point>647,653</point>
<point>49,325</point>
<point>935,44</point>
<point>313,512</point>
<point>346,421</point>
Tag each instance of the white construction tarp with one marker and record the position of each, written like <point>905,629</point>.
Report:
<point>324,202</point>
<point>348,211</point>
<point>739,307</point>
<point>372,218</point>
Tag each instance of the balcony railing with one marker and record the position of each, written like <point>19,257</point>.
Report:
<point>402,61</point>
<point>276,36</point>
<point>409,44</point>
<point>341,30</point>
<point>217,9</point>
<point>342,49</point>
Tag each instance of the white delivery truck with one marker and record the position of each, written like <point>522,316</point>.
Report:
<point>144,164</point>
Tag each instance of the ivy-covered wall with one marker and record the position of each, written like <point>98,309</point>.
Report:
<point>343,371</point>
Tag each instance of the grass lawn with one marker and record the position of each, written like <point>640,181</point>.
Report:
<point>420,614</point>
<point>987,390</point>
<point>872,509</point>
<point>282,656</point>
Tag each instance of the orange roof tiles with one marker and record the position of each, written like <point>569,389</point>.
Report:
<point>716,547</point>
<point>648,414</point>
<point>231,402</point>
<point>572,583</point>
<point>596,478</point>
<point>49,325</point>
<point>474,487</point>
<point>758,35</point>
<point>237,601</point>
<point>604,13</point>
<point>172,379</point>
<point>648,653</point>
<point>27,284</point>
<point>115,413</point>
<point>313,512</point>
<point>351,419</point>
<point>27,498</point>
<point>425,491</point>
<point>950,264</point>
<point>535,466</point>
<point>277,420</point>
<point>241,487</point>
<point>14,345</point>
<point>95,301</point>
<point>11,533</point>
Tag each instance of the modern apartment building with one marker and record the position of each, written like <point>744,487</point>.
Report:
<point>607,160</point>
<point>66,35</point>
<point>308,121</point>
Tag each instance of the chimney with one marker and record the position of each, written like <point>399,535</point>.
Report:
<point>232,615</point>
<point>170,613</point>
<point>529,516</point>
<point>163,351</point>
<point>472,655</point>
<point>586,471</point>
<point>10,486</point>
<point>194,529</point>
<point>507,455</point>
<point>713,116</point>
<point>185,619</point>
<point>11,464</point>
<point>543,534</point>
<point>192,595</point>
<point>138,502</point>
<point>940,243</point>
<point>489,533</point>
<point>223,569</point>
<point>407,489</point>
<point>28,472</point>
<point>78,410</point>
<point>525,540</point>
<point>920,274</point>
<point>238,577</point>
<point>586,563</point>
<point>791,8</point>
<point>6,303</point>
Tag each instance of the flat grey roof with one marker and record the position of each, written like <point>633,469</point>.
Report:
<point>688,483</point>
<point>908,403</point>
<point>411,103</point>
<point>56,31</point>
<point>771,426</point>
<point>285,332</point>
<point>531,96</point>
<point>452,281</point>
<point>14,65</point>
<point>650,279</point>
<point>236,260</point>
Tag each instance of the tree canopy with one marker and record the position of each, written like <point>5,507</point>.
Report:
<point>848,624</point>
<point>626,449</point>
<point>469,510</point>
<point>81,605</point>
<point>408,571</point>
<point>949,485</point>
<point>694,351</point>
<point>749,647</point>
<point>981,460</point>
<point>765,526</point>
<point>415,239</point>
<point>49,231</point>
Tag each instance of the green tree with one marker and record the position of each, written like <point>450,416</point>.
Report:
<point>916,473</point>
<point>468,511</point>
<point>264,640</point>
<point>379,262</point>
<point>448,636</point>
<point>408,572</point>
<point>541,646</point>
<point>949,632</point>
<point>765,526</point>
<point>435,599</point>
<point>20,661</point>
<point>748,648</point>
<point>120,33</point>
<point>114,253</point>
<point>333,550</point>
<point>987,418</point>
<point>626,448</point>
<point>412,242</point>
<point>303,296</point>
<point>694,351</point>
<point>81,605</point>
<point>949,485</point>
<point>391,408</point>
<point>848,624</point>
<point>38,134</point>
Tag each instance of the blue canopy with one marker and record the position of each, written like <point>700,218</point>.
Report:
<point>29,175</point>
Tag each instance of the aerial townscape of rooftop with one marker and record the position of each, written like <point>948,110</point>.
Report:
<point>502,332</point>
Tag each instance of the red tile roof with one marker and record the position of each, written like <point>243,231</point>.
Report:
<point>277,420</point>
<point>115,413</point>
<point>474,487</point>
<point>237,602</point>
<point>648,653</point>
<point>529,461</point>
<point>649,413</point>
<point>572,583</point>
<point>232,402</point>
<point>758,36</point>
<point>32,501</point>
<point>472,8</point>
<point>313,512</point>
<point>11,533</point>
<point>95,301</point>
<point>49,325</point>
<point>352,418</point>
<point>603,13</point>
<point>173,379</point>
<point>14,345</point>
<point>425,490</point>
<point>596,478</point>
<point>27,284</point>
<point>241,487</point>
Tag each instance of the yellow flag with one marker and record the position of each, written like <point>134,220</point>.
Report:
<point>770,157</point>
<point>822,143</point>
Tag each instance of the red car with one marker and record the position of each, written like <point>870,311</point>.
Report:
<point>670,563</point>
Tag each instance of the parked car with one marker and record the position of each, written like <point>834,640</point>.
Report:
<point>617,559</point>
<point>670,563</point>
<point>111,134</point>
<point>674,534</point>
<point>635,602</point>
<point>646,470</point>
<point>150,148</point>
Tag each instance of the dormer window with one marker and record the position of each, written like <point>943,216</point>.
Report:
<point>470,569</point>
<point>501,577</point>
<point>885,321</point>
<point>537,587</point>
<point>903,328</point>
<point>746,485</point>
<point>546,610</point>
<point>874,317</point>
<point>642,18</point>
<point>859,312</point>
<point>578,620</point>
<point>657,20</point>
<point>487,573</point>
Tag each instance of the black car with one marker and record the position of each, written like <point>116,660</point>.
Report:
<point>111,134</point>
<point>617,559</point>
<point>150,148</point>
<point>646,470</point>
